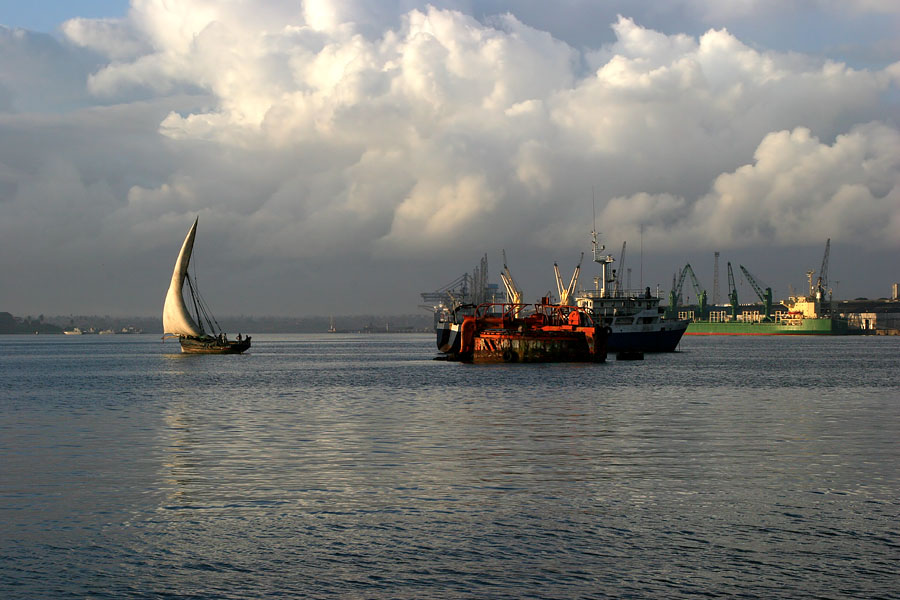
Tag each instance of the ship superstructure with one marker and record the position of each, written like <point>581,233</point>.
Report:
<point>634,317</point>
<point>510,330</point>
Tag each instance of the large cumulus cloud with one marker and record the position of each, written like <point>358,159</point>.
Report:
<point>360,143</point>
<point>797,189</point>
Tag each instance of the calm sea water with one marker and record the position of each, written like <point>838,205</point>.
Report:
<point>352,466</point>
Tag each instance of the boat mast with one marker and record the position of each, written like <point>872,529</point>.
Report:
<point>201,308</point>
<point>198,316</point>
<point>604,261</point>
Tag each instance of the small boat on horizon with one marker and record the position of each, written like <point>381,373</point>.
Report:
<point>79,331</point>
<point>177,320</point>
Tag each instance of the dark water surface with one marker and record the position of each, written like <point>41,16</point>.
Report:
<point>353,466</point>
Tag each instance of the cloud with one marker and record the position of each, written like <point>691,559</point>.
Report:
<point>318,132</point>
<point>38,73</point>
<point>113,38</point>
<point>798,190</point>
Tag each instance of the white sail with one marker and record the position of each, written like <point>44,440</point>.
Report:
<point>176,318</point>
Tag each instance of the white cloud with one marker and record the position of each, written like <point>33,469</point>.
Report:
<point>798,191</point>
<point>800,188</point>
<point>111,37</point>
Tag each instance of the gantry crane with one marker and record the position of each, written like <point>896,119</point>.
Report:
<point>764,296</point>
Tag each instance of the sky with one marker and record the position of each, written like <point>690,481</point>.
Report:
<point>344,156</point>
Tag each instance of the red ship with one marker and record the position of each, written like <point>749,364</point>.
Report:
<point>527,333</point>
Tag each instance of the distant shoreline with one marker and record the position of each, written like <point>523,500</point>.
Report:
<point>415,323</point>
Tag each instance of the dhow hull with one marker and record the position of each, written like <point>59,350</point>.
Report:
<point>212,346</point>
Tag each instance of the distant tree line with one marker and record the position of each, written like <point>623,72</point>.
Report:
<point>10,324</point>
<point>233,324</point>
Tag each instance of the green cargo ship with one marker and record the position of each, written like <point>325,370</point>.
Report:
<point>799,326</point>
<point>804,316</point>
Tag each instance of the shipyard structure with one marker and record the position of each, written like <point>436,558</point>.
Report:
<point>469,312</point>
<point>812,313</point>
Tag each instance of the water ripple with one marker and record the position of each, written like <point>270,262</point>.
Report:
<point>355,466</point>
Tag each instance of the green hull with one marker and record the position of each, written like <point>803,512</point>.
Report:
<point>804,327</point>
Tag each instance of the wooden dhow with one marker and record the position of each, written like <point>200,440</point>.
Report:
<point>177,319</point>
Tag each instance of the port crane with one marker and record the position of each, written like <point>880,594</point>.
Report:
<point>465,289</point>
<point>675,294</point>
<point>618,273</point>
<point>513,291</point>
<point>674,297</point>
<point>764,296</point>
<point>732,293</point>
<point>698,291</point>
<point>565,293</point>
<point>822,283</point>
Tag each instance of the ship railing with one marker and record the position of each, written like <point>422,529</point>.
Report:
<point>552,313</point>
<point>594,294</point>
<point>635,293</point>
<point>789,318</point>
<point>750,317</point>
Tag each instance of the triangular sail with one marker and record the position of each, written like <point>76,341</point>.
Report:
<point>176,318</point>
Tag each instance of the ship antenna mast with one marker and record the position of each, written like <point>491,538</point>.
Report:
<point>596,246</point>
<point>603,260</point>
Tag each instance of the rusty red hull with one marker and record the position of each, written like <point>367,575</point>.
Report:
<point>511,347</point>
<point>551,333</point>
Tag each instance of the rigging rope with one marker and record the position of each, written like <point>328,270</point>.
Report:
<point>201,308</point>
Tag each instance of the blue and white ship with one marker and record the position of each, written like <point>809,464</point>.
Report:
<point>634,317</point>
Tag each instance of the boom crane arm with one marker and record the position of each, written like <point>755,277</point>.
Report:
<point>698,290</point>
<point>821,290</point>
<point>513,292</point>
<point>675,295</point>
<point>621,269</point>
<point>566,293</point>
<point>573,283</point>
<point>680,284</point>
<point>732,293</point>
<point>822,284</point>
<point>764,296</point>
<point>559,283</point>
